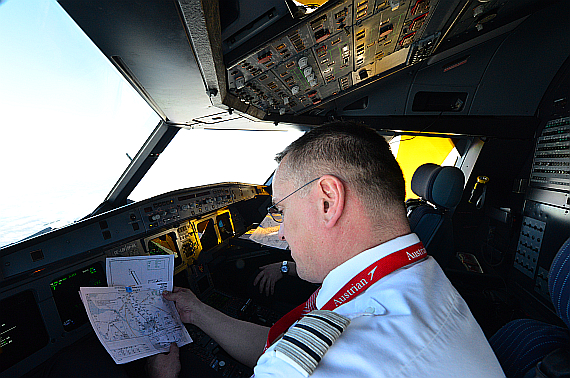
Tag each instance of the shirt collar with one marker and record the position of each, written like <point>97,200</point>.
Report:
<point>343,273</point>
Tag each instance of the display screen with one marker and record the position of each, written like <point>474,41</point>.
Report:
<point>165,244</point>
<point>22,330</point>
<point>65,291</point>
<point>225,226</point>
<point>207,234</point>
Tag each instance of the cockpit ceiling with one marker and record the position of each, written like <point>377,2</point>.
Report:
<point>362,59</point>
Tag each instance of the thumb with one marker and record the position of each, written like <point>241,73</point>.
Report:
<point>169,295</point>
<point>174,349</point>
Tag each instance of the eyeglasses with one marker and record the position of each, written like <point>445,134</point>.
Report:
<point>277,214</point>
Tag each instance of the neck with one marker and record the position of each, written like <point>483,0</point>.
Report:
<point>358,233</point>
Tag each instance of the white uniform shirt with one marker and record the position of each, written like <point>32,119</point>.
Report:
<point>411,323</point>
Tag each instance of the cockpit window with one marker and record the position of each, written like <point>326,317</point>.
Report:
<point>69,120</point>
<point>200,157</point>
<point>413,151</point>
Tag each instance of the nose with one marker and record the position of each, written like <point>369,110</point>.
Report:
<point>281,233</point>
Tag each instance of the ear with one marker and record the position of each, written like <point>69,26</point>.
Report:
<point>331,193</point>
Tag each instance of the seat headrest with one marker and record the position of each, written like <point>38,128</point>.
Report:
<point>559,282</point>
<point>442,186</point>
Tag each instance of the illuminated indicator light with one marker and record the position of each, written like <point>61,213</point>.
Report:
<point>385,30</point>
<point>280,47</point>
<point>264,57</point>
<point>321,51</point>
<point>321,35</point>
<point>361,34</point>
<point>419,6</point>
<point>283,74</point>
<point>240,82</point>
<point>382,6</point>
<point>361,14</point>
<point>290,64</point>
<point>318,23</point>
<point>342,13</point>
<point>387,42</point>
<point>362,4</point>
<point>407,39</point>
<point>335,41</point>
<point>418,22</point>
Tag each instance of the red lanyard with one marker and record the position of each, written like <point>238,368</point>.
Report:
<point>353,288</point>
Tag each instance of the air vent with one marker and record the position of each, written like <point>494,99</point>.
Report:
<point>439,101</point>
<point>359,104</point>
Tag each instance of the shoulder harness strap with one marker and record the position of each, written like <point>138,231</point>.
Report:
<point>305,344</point>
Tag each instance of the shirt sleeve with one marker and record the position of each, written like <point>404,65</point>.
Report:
<point>270,364</point>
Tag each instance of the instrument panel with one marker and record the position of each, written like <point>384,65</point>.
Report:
<point>40,310</point>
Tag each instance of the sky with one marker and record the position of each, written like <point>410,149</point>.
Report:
<point>69,121</point>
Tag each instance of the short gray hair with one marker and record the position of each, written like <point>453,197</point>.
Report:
<point>354,153</point>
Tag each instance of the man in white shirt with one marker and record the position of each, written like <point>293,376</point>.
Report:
<point>339,195</point>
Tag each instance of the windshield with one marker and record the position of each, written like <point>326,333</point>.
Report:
<point>69,120</point>
<point>71,124</point>
<point>200,157</point>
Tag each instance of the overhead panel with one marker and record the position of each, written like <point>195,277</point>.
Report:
<point>330,52</point>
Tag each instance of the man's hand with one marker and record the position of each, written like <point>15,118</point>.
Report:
<point>164,365</point>
<point>267,278</point>
<point>186,302</point>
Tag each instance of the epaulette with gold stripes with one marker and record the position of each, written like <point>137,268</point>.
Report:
<point>305,344</point>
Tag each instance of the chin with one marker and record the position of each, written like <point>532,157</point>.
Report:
<point>306,276</point>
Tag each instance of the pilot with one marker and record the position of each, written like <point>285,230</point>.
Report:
<point>384,308</point>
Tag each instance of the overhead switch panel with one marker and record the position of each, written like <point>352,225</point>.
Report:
<point>335,49</point>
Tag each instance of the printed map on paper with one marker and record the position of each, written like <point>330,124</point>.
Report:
<point>133,322</point>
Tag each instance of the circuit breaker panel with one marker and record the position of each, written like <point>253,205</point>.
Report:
<point>546,215</point>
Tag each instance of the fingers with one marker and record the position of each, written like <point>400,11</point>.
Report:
<point>262,284</point>
<point>176,294</point>
<point>258,277</point>
<point>164,365</point>
<point>267,277</point>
